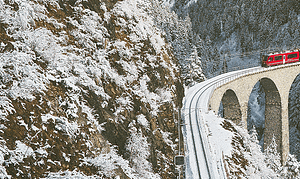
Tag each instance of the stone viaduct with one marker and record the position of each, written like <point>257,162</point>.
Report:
<point>276,83</point>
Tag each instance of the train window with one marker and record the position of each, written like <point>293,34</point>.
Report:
<point>265,58</point>
<point>294,55</point>
<point>270,59</point>
<point>278,58</point>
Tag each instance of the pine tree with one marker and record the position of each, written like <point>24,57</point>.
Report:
<point>291,169</point>
<point>179,35</point>
<point>273,157</point>
<point>138,148</point>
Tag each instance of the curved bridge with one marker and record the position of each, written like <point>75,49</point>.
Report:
<point>276,82</point>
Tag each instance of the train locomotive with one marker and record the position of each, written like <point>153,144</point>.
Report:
<point>280,58</point>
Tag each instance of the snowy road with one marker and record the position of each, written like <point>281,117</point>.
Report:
<point>199,160</point>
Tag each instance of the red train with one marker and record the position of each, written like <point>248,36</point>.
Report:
<point>280,58</point>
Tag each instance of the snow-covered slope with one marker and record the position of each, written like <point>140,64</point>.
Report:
<point>89,89</point>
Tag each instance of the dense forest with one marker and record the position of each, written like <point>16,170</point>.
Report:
<point>237,32</point>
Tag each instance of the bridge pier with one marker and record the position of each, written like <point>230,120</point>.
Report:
<point>285,127</point>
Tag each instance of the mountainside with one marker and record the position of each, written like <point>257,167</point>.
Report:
<point>88,89</point>
<point>237,32</point>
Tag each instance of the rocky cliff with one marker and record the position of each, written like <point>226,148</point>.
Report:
<point>88,89</point>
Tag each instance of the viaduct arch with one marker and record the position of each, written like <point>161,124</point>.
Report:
<point>276,83</point>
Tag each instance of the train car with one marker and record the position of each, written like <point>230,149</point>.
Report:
<point>280,58</point>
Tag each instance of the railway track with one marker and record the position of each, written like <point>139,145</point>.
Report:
<point>201,155</point>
